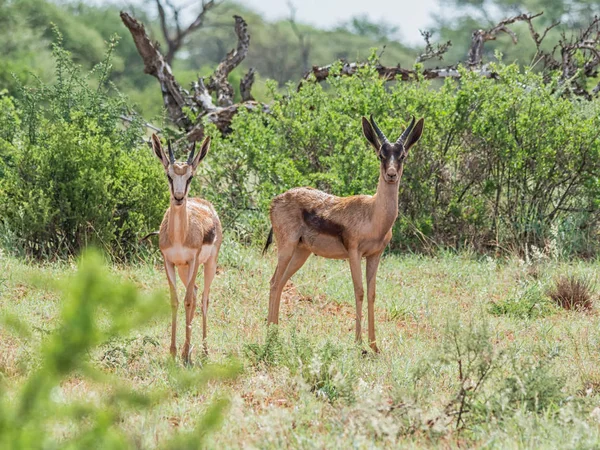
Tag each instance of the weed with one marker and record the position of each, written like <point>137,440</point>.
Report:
<point>528,302</point>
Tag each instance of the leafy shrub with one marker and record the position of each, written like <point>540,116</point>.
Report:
<point>96,308</point>
<point>528,302</point>
<point>75,175</point>
<point>500,161</point>
<point>573,293</point>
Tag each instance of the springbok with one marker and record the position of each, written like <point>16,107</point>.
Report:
<point>190,234</point>
<point>305,220</point>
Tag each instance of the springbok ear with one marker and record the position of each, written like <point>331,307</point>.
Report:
<point>202,153</point>
<point>415,135</point>
<point>370,134</point>
<point>158,150</point>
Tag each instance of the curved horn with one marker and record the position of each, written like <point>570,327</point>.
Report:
<point>406,133</point>
<point>191,155</point>
<point>380,135</point>
<point>171,155</point>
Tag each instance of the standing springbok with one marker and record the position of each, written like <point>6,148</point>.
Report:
<point>306,220</point>
<point>190,235</point>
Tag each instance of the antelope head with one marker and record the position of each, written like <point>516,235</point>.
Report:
<point>179,174</point>
<point>392,155</point>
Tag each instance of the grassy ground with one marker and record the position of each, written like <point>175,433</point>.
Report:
<point>473,353</point>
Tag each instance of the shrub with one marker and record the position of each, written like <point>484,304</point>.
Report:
<point>486,385</point>
<point>480,175</point>
<point>76,175</point>
<point>572,293</point>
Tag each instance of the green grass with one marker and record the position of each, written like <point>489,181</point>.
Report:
<point>311,386</point>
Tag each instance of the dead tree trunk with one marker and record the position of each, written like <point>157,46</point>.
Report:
<point>176,99</point>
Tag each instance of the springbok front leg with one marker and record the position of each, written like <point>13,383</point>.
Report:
<point>359,293</point>
<point>190,307</point>
<point>170,270</point>
<point>372,266</point>
<point>210,270</point>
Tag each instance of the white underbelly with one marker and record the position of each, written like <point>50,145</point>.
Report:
<point>181,256</point>
<point>205,253</point>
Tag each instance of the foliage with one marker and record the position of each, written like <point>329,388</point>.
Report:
<point>478,177</point>
<point>77,175</point>
<point>97,307</point>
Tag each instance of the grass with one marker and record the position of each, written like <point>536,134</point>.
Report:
<point>455,369</point>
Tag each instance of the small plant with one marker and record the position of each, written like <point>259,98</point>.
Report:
<point>572,293</point>
<point>323,370</point>
<point>529,302</point>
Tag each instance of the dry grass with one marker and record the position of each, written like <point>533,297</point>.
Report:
<point>573,293</point>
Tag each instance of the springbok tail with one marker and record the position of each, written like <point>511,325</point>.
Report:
<point>153,233</point>
<point>269,241</point>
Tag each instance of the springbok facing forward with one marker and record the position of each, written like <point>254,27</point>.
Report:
<point>306,220</point>
<point>190,235</point>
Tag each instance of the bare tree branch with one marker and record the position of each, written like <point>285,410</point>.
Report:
<point>218,82</point>
<point>246,85</point>
<point>430,51</point>
<point>480,37</point>
<point>319,74</point>
<point>174,97</point>
<point>176,40</point>
<point>200,101</point>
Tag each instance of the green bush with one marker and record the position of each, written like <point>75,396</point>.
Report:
<point>501,160</point>
<point>74,174</point>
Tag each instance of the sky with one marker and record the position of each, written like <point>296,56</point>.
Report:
<point>408,16</point>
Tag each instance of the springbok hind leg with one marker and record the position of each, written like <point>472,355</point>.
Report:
<point>298,259</point>
<point>284,256</point>
<point>210,270</point>
<point>372,266</point>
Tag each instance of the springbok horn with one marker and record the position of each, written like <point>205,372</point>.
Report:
<point>380,135</point>
<point>171,155</point>
<point>406,133</point>
<point>191,155</point>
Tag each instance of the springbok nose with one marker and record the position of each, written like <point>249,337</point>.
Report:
<point>392,174</point>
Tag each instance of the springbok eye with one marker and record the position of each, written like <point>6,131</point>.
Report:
<point>380,156</point>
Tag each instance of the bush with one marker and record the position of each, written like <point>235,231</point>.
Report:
<point>500,161</point>
<point>74,174</point>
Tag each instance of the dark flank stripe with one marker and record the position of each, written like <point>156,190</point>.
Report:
<point>322,225</point>
<point>209,236</point>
